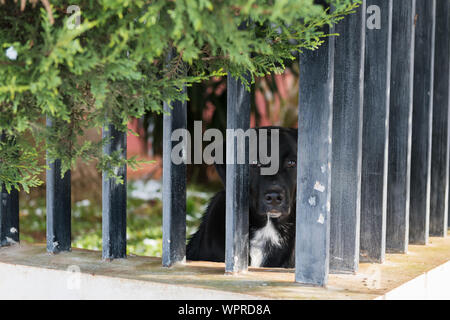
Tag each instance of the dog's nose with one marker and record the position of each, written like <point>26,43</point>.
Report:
<point>273,198</point>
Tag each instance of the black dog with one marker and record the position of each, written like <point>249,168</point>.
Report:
<point>272,213</point>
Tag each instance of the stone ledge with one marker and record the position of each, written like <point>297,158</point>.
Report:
<point>29,272</point>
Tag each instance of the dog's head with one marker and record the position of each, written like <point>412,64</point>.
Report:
<point>272,195</point>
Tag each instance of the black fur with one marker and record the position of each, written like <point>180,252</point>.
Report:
<point>208,243</point>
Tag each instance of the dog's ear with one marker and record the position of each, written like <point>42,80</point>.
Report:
<point>222,171</point>
<point>294,133</point>
<point>323,3</point>
<point>221,168</point>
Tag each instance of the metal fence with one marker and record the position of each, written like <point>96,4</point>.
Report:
<point>373,133</point>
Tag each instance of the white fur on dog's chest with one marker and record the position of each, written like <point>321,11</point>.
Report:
<point>268,234</point>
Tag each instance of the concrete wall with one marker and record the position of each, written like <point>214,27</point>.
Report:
<point>25,282</point>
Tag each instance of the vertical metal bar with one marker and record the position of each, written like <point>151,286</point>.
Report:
<point>312,250</point>
<point>377,77</point>
<point>440,141</point>
<point>9,213</point>
<point>419,213</point>
<point>400,129</point>
<point>174,188</point>
<point>9,217</point>
<point>58,206</point>
<point>347,139</point>
<point>237,185</point>
<point>114,198</point>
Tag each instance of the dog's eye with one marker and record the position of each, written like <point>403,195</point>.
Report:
<point>292,164</point>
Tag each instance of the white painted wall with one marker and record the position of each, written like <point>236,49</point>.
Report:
<point>432,285</point>
<point>24,282</point>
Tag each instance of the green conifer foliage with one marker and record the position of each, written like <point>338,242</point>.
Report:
<point>112,65</point>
